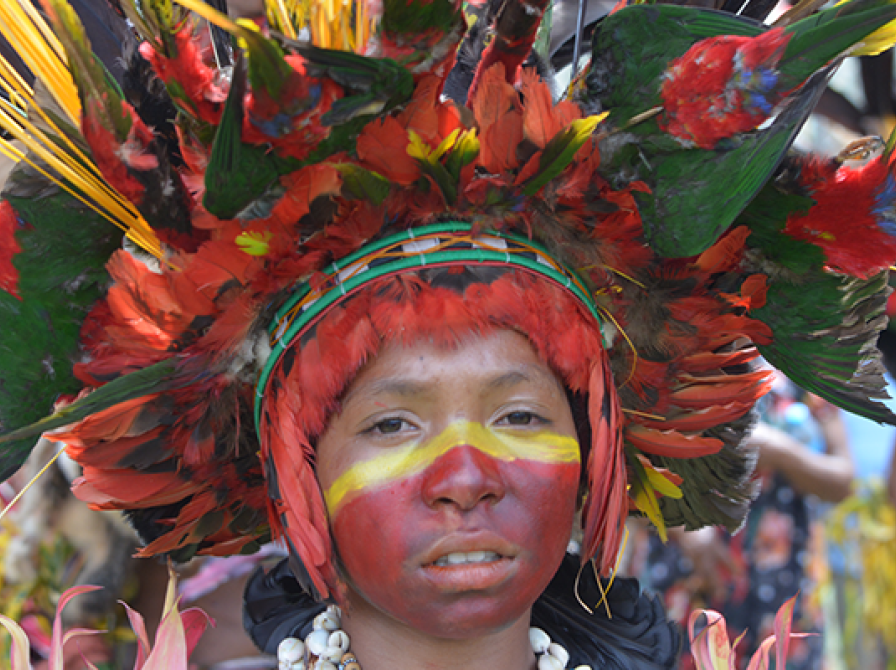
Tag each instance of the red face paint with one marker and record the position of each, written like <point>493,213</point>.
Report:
<point>462,542</point>
<point>390,539</point>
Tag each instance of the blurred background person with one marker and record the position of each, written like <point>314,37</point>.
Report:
<point>802,452</point>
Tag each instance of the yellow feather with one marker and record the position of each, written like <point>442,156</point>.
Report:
<point>877,42</point>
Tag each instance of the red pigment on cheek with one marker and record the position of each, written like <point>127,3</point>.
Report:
<point>387,537</point>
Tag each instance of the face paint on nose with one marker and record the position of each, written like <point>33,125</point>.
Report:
<point>413,458</point>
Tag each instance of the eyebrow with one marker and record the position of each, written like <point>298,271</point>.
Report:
<point>402,388</point>
<point>413,389</point>
<point>508,379</point>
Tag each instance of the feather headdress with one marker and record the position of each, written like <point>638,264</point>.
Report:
<point>694,241</point>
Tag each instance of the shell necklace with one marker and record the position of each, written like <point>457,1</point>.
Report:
<point>327,648</point>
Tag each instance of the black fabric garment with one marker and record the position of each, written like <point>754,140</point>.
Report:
<point>637,636</point>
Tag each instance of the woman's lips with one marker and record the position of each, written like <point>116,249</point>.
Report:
<point>466,557</point>
<point>468,576</point>
<point>468,546</point>
<point>469,561</point>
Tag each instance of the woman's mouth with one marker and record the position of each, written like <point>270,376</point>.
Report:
<point>467,558</point>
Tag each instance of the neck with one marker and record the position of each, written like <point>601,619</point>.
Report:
<point>383,643</point>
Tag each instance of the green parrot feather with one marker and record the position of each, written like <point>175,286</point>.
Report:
<point>826,324</point>
<point>61,275</point>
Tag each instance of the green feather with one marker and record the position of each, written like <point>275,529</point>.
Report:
<point>363,184</point>
<point>61,275</point>
<point>372,85</point>
<point>628,61</point>
<point>717,489</point>
<point>417,17</point>
<point>559,152</point>
<point>696,194</point>
<point>157,378</point>
<point>238,173</point>
<point>826,325</point>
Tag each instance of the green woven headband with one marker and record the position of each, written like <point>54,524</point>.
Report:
<point>451,243</point>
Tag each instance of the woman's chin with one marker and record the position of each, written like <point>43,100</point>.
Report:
<point>460,616</point>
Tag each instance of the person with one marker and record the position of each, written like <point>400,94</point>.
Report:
<point>414,341</point>
<point>749,576</point>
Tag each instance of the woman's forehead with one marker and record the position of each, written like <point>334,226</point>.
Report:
<point>493,361</point>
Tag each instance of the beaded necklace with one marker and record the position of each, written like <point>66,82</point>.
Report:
<point>327,648</point>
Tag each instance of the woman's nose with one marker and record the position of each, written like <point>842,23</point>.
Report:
<point>463,477</point>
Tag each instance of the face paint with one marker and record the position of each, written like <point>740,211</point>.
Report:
<point>453,521</point>
<point>410,459</point>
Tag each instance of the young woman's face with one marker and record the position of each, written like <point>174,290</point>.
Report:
<point>450,478</point>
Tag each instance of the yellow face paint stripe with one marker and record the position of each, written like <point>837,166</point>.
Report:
<point>410,459</point>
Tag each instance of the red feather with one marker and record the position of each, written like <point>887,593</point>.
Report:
<point>497,108</point>
<point>605,508</point>
<point>382,147</point>
<point>852,216</point>
<point>9,247</point>
<point>185,71</point>
<point>671,443</point>
<point>711,92</point>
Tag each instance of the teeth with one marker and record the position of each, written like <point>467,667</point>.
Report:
<point>461,558</point>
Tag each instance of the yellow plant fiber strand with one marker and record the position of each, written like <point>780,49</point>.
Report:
<point>69,167</point>
<point>31,37</point>
<point>344,25</point>
<point>27,486</point>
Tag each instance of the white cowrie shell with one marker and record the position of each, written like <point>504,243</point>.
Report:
<point>583,667</point>
<point>559,653</point>
<point>326,621</point>
<point>290,650</point>
<point>539,640</point>
<point>324,665</point>
<point>548,662</point>
<point>317,642</point>
<point>339,638</point>
<point>333,654</point>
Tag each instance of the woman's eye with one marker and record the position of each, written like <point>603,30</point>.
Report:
<point>520,418</point>
<point>389,426</point>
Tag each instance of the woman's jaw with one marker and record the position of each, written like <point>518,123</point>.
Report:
<point>451,478</point>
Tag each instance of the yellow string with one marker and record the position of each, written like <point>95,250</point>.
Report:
<point>27,486</point>
<point>90,188</point>
<point>606,313</point>
<point>603,600</point>
<point>646,415</point>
